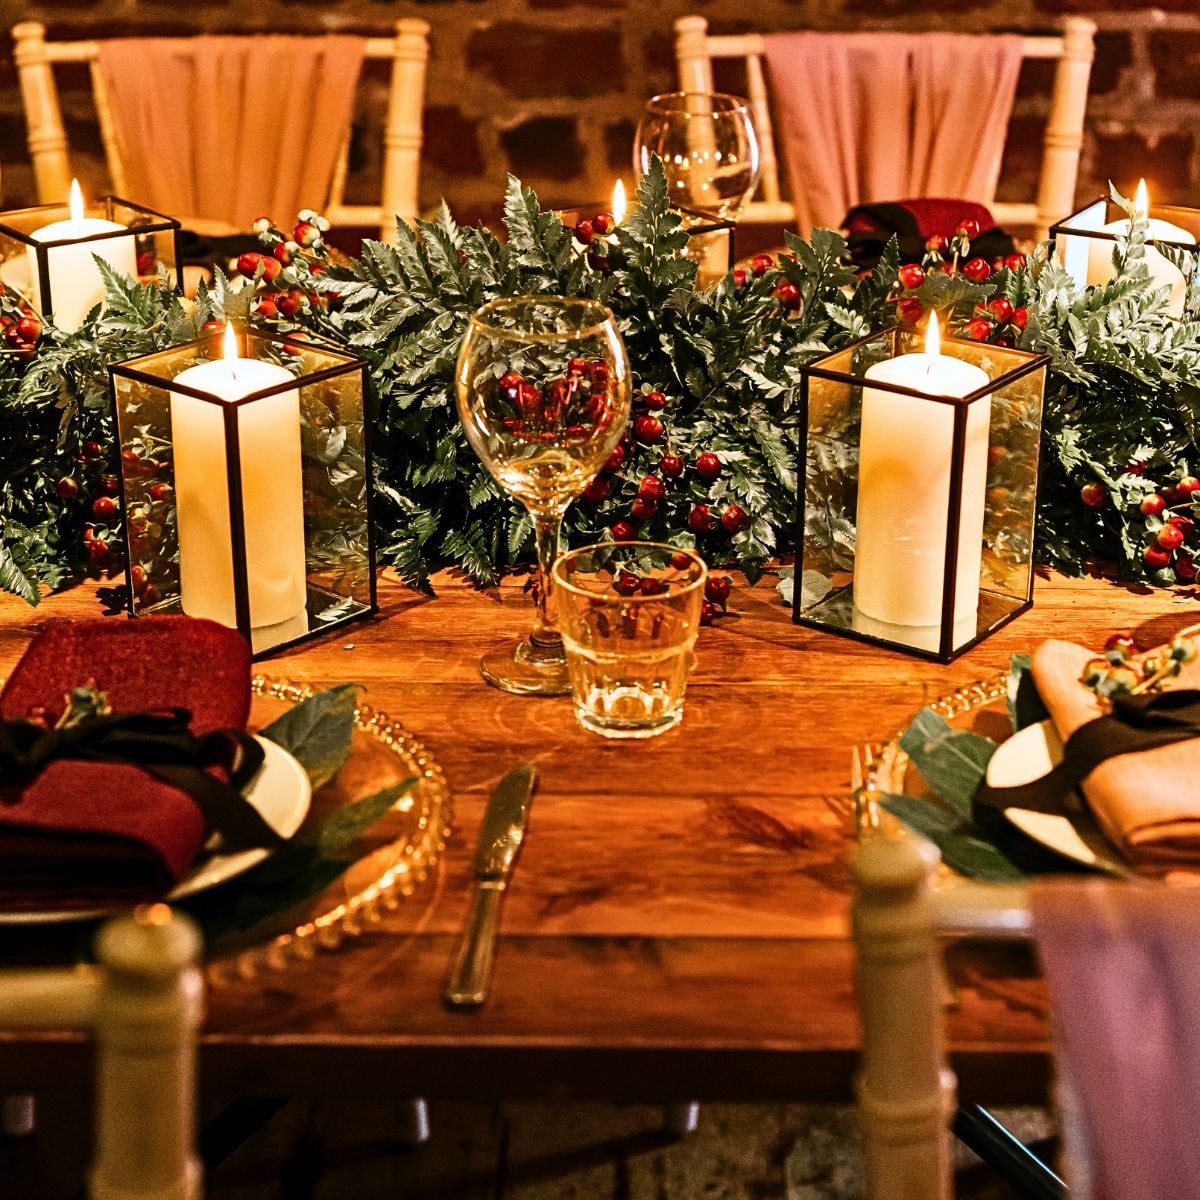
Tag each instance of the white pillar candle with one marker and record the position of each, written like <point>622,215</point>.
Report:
<point>904,490</point>
<point>272,491</point>
<point>76,285</point>
<point>1162,272</point>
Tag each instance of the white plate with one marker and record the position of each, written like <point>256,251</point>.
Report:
<point>1026,756</point>
<point>281,791</point>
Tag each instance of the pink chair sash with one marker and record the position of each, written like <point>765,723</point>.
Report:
<point>890,116</point>
<point>231,128</point>
<point>1122,963</point>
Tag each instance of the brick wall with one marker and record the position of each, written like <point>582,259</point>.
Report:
<point>552,89</point>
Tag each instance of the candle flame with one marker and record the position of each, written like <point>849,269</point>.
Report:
<point>76,201</point>
<point>618,202</point>
<point>933,335</point>
<point>1141,201</point>
<point>231,346</point>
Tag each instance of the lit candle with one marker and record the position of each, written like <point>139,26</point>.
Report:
<point>76,285</point>
<point>619,204</point>
<point>904,490</point>
<point>272,490</point>
<point>1162,272</point>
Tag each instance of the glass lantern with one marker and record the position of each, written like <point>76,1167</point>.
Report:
<point>919,469</point>
<point>1084,243</point>
<point>246,485</point>
<point>48,253</point>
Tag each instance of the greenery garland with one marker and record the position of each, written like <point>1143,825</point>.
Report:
<point>1120,434</point>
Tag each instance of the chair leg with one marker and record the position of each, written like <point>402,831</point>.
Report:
<point>18,1115</point>
<point>681,1118</point>
<point>413,1122</point>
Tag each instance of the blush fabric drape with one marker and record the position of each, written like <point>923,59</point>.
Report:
<point>889,116</point>
<point>228,129</point>
<point>1122,963</point>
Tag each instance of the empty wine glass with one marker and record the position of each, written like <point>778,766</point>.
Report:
<point>708,147</point>
<point>543,394</point>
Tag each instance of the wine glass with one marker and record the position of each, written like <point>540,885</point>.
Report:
<point>708,147</point>
<point>543,394</point>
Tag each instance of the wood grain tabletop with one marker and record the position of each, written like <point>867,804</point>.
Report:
<point>677,923</point>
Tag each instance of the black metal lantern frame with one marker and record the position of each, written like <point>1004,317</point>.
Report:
<point>1076,236</point>
<point>254,511</point>
<point>987,448</point>
<point>702,228</point>
<point>144,237</point>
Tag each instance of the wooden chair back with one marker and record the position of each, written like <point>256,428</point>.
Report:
<point>1073,50</point>
<point>143,1005</point>
<point>407,50</point>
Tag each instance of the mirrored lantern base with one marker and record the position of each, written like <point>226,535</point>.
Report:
<point>533,666</point>
<point>836,613</point>
<point>324,610</point>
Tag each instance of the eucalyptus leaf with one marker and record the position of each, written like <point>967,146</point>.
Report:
<point>342,827</point>
<point>952,761</point>
<point>963,846</point>
<point>318,731</point>
<point>1024,705</point>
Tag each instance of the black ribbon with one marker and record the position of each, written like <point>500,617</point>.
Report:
<point>162,745</point>
<point>1136,723</point>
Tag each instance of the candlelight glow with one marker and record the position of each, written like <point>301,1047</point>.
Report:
<point>1141,201</point>
<point>76,201</point>
<point>231,346</point>
<point>618,202</point>
<point>933,335</point>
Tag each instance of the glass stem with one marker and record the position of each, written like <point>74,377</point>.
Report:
<point>547,529</point>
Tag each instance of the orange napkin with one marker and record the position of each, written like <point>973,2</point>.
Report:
<point>1147,803</point>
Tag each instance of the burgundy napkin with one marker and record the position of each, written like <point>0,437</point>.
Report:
<point>80,833</point>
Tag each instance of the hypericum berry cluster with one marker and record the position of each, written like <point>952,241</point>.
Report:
<point>630,582</point>
<point>21,326</point>
<point>1171,515</point>
<point>997,321</point>
<point>303,251</point>
<point>786,292</point>
<point>1123,671</point>
<point>595,234</point>
<point>572,405</point>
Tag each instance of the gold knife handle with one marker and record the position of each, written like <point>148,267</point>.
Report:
<point>472,970</point>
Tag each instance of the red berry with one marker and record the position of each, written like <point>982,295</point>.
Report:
<point>909,310</point>
<point>977,329</point>
<point>734,519</point>
<point>643,510</point>
<point>652,488</point>
<point>247,263</point>
<point>137,576</point>
<point>1185,567</point>
<point>937,244</point>
<point>655,401</point>
<point>575,368</point>
<point>1005,341</point>
<point>969,229</point>
<point>289,304</point>
<point>708,467</point>
<point>584,232</point>
<point>151,595</point>
<point>1093,494</point>
<point>510,381</point>
<point>717,588</point>
<point>271,268</point>
<point>306,234</point>
<point>647,429</point>
<point>1015,262</point>
<point>266,308</point>
<point>700,520</point>
<point>160,491</point>
<point>977,270</point>
<point>1001,309</point>
<point>598,262</point>
<point>623,531</point>
<point>1170,537</point>
<point>29,329</point>
<point>1187,485</point>
<point>788,294</point>
<point>110,485</point>
<point>1153,506</point>
<point>1156,558</point>
<point>66,488</point>
<point>653,587</point>
<point>603,222</point>
<point>707,612</point>
<point>680,560</point>
<point>1123,643</point>
<point>599,373</point>
<point>529,399</point>
<point>281,253</point>
<point>1020,317</point>
<point>98,549</point>
<point>91,450</point>
<point>1186,524</point>
<point>739,277</point>
<point>760,264</point>
<point>614,461</point>
<point>627,583</point>
<point>912,276</point>
<point>671,465</point>
<point>597,491</point>
<point>103,506</point>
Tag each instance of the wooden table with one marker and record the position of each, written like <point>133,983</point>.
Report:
<point>676,928</point>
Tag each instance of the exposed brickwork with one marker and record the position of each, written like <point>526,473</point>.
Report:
<point>552,89</point>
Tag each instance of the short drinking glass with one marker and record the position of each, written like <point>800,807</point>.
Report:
<point>543,394</point>
<point>629,615</point>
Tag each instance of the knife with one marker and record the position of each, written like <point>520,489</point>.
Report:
<point>499,840</point>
